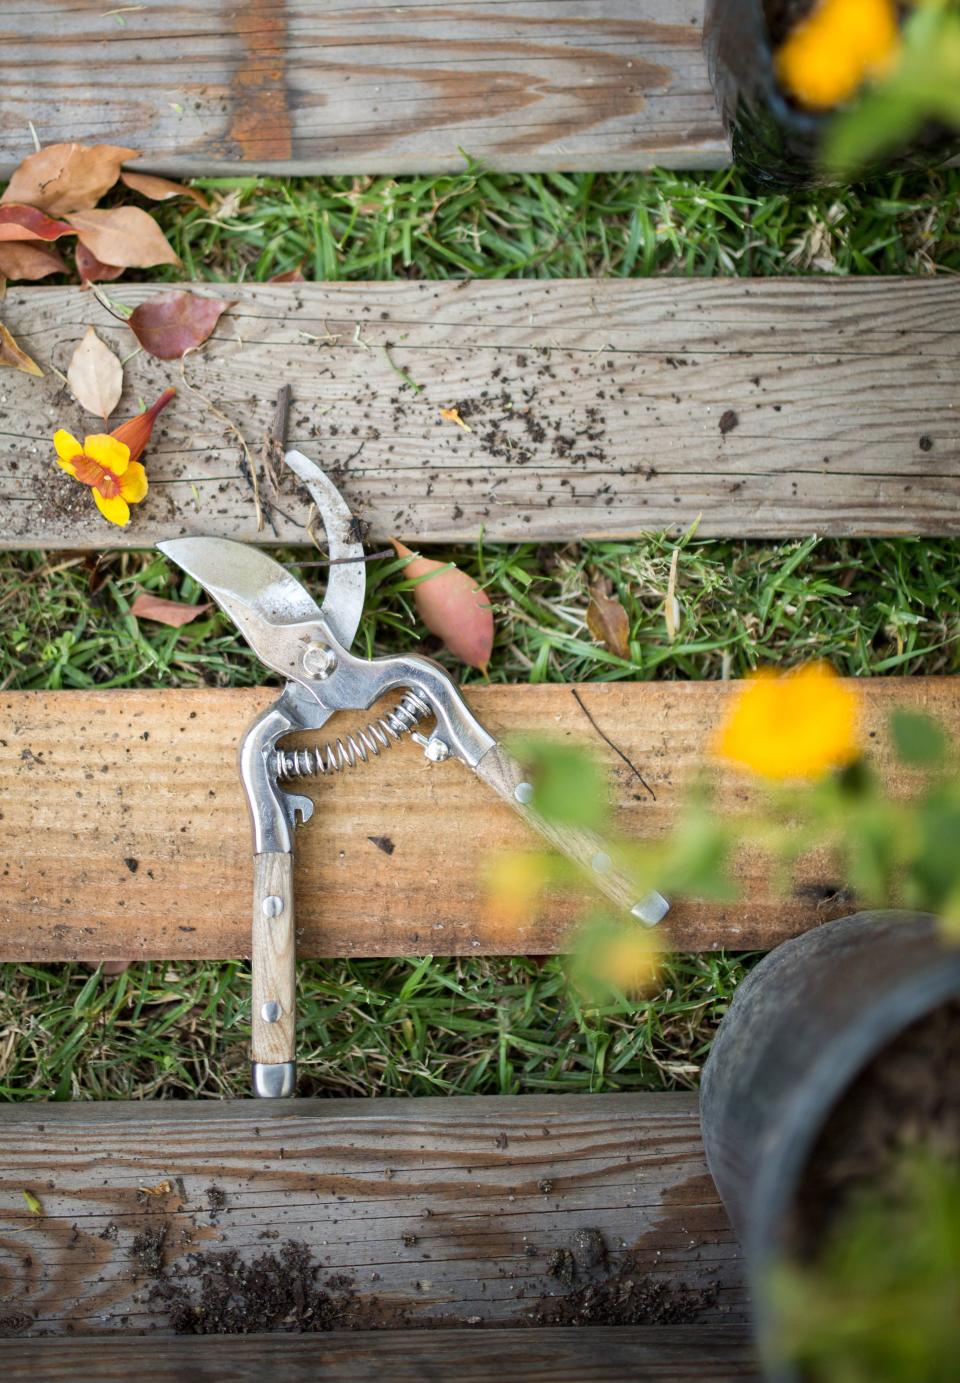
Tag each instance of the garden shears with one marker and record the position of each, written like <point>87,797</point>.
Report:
<point>309,645</point>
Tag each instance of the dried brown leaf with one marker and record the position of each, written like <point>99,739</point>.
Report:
<point>169,612</point>
<point>12,356</point>
<point>452,606</point>
<point>161,189</point>
<point>26,223</point>
<point>172,323</point>
<point>91,270</point>
<point>67,177</point>
<point>123,235</point>
<point>608,623</point>
<point>290,276</point>
<point>29,259</point>
<point>95,376</point>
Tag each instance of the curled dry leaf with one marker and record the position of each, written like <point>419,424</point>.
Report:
<point>95,376</point>
<point>123,235</point>
<point>67,177</point>
<point>161,189</point>
<point>29,259</point>
<point>452,606</point>
<point>26,223</point>
<point>172,323</point>
<point>290,276</point>
<point>608,623</point>
<point>169,612</point>
<point>91,270</point>
<point>12,356</point>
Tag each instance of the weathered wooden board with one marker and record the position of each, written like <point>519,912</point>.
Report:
<point>595,409</point>
<point>445,1211</point>
<point>125,834</point>
<point>205,85</point>
<point>584,1354</point>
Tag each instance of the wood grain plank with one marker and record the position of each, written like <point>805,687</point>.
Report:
<point>586,1354</point>
<point>125,832</point>
<point>595,409</point>
<point>437,1208</point>
<point>204,85</point>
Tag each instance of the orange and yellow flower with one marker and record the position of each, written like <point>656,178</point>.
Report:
<point>109,461</point>
<point>839,46</point>
<point>795,725</point>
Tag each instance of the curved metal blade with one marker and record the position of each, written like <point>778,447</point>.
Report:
<point>347,577</point>
<point>256,592</point>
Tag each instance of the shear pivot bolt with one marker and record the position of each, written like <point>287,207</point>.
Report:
<point>271,906</point>
<point>319,660</point>
<point>270,1013</point>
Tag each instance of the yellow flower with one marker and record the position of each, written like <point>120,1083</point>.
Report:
<point>624,959</point>
<point>799,724</point>
<point>104,464</point>
<point>839,46</point>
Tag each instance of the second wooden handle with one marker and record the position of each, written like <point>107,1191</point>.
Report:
<point>273,961</point>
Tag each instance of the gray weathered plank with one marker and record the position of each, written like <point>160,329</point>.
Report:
<point>595,409</point>
<point>572,1354</point>
<point>203,85</point>
<point>125,833</point>
<point>445,1211</point>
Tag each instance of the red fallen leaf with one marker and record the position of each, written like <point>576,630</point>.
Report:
<point>26,223</point>
<point>67,177</point>
<point>123,235</point>
<point>169,612</point>
<point>452,606</point>
<point>172,323</point>
<point>291,276</point>
<point>12,355</point>
<point>29,259</point>
<point>608,623</point>
<point>161,189</point>
<point>92,271</point>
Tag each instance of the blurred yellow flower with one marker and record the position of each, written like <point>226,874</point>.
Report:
<point>839,46</point>
<point>798,724</point>
<point>624,959</point>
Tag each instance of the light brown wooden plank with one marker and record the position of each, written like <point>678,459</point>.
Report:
<point>588,1354</point>
<point>361,87</point>
<point>463,1179</point>
<point>125,833</point>
<point>595,408</point>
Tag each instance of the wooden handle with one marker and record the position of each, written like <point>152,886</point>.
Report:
<point>273,960</point>
<point>585,848</point>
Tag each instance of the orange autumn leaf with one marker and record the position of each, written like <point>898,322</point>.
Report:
<point>12,356</point>
<point>29,259</point>
<point>161,189</point>
<point>67,177</point>
<point>19,222</point>
<point>452,606</point>
<point>123,235</point>
<point>169,612</point>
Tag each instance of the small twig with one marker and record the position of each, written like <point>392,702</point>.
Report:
<point>342,561</point>
<point>275,441</point>
<point>251,466</point>
<point>607,740</point>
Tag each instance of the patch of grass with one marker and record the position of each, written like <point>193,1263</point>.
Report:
<point>432,1027</point>
<point>480,1025</point>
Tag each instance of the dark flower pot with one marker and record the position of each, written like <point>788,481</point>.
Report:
<point>800,1030</point>
<point>773,140</point>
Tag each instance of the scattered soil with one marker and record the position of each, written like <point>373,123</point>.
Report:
<point>908,1097</point>
<point>14,1323</point>
<point>728,421</point>
<point>216,1199</point>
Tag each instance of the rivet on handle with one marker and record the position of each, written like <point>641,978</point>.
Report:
<point>271,1011</point>
<point>523,792</point>
<point>271,906</point>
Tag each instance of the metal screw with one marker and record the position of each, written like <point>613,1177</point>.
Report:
<point>433,749</point>
<point>523,792</point>
<point>271,1011</point>
<point>319,661</point>
<point>271,906</point>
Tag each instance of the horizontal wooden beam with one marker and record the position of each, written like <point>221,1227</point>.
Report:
<point>225,86</point>
<point>594,408</point>
<point>125,833</point>
<point>448,1212</point>
<point>570,1354</point>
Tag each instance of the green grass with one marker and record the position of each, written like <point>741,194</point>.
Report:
<point>479,1025</point>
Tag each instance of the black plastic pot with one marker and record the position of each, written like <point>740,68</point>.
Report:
<point>774,141</point>
<point>800,1029</point>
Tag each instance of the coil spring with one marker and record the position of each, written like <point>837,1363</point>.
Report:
<point>352,750</point>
